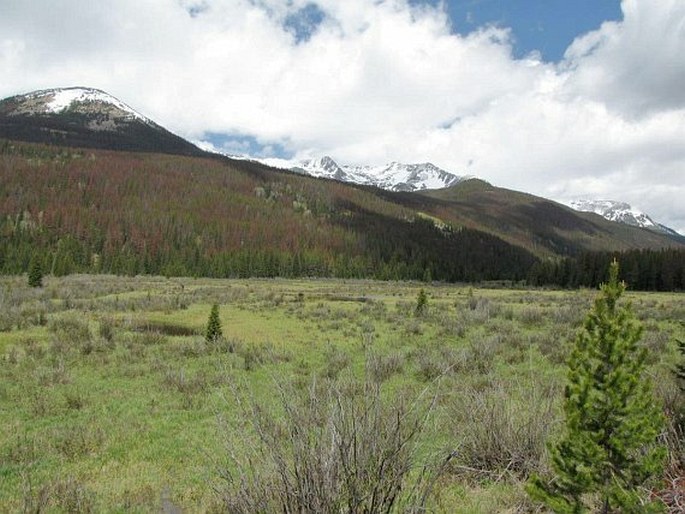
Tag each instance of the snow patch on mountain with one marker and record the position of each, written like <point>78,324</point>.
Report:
<point>79,99</point>
<point>620,212</point>
<point>325,167</point>
<point>394,176</point>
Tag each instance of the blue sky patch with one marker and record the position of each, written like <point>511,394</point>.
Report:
<point>545,26</point>
<point>304,22</point>
<point>196,8</point>
<point>238,144</point>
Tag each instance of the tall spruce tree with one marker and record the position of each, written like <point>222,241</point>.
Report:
<point>609,448</point>
<point>213,331</point>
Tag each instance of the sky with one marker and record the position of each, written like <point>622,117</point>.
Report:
<point>563,99</point>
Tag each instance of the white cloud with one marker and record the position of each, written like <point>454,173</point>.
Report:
<point>636,67</point>
<point>384,80</point>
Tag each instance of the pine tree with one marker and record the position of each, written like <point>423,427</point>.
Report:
<point>609,446</point>
<point>680,367</point>
<point>35,273</point>
<point>421,303</point>
<point>213,331</point>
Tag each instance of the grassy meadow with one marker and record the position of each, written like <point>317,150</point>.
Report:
<point>111,400</point>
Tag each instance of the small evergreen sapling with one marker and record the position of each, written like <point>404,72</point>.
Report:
<point>213,332</point>
<point>680,367</point>
<point>609,448</point>
<point>421,303</point>
<point>35,273</point>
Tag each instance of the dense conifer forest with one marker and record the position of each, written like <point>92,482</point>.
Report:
<point>642,270</point>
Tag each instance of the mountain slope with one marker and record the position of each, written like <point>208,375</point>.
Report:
<point>121,212</point>
<point>85,117</point>
<point>543,226</point>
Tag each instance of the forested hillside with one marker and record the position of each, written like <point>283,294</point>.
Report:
<point>115,212</point>
<point>103,211</point>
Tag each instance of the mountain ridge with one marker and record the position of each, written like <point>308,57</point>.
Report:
<point>401,177</point>
<point>394,176</point>
<point>85,117</point>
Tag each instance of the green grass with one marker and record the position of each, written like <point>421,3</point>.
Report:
<point>111,399</point>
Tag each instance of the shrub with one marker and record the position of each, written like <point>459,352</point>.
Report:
<point>336,361</point>
<point>679,370</point>
<point>335,447</point>
<point>430,365</point>
<point>77,441</point>
<point>106,329</point>
<point>70,330</point>
<point>68,495</point>
<point>503,428</point>
<point>382,367</point>
<point>185,383</point>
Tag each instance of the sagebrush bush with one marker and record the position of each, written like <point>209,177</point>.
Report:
<point>257,354</point>
<point>78,440</point>
<point>186,383</point>
<point>382,367</point>
<point>65,495</point>
<point>335,360</point>
<point>334,447</point>
<point>70,330</point>
<point>503,428</point>
<point>106,329</point>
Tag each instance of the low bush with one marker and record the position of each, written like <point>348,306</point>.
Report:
<point>503,428</point>
<point>334,447</point>
<point>335,360</point>
<point>382,367</point>
<point>70,330</point>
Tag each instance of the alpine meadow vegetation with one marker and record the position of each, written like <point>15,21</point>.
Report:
<point>115,402</point>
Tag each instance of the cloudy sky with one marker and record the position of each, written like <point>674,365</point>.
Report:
<point>565,99</point>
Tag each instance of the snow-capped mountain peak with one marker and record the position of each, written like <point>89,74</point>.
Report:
<point>324,167</point>
<point>621,212</point>
<point>81,100</point>
<point>395,176</point>
<point>88,118</point>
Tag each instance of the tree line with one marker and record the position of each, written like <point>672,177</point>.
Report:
<point>642,270</point>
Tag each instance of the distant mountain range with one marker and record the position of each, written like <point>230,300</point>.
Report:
<point>393,177</point>
<point>85,117</point>
<point>88,117</point>
<point>403,217</point>
<point>418,177</point>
